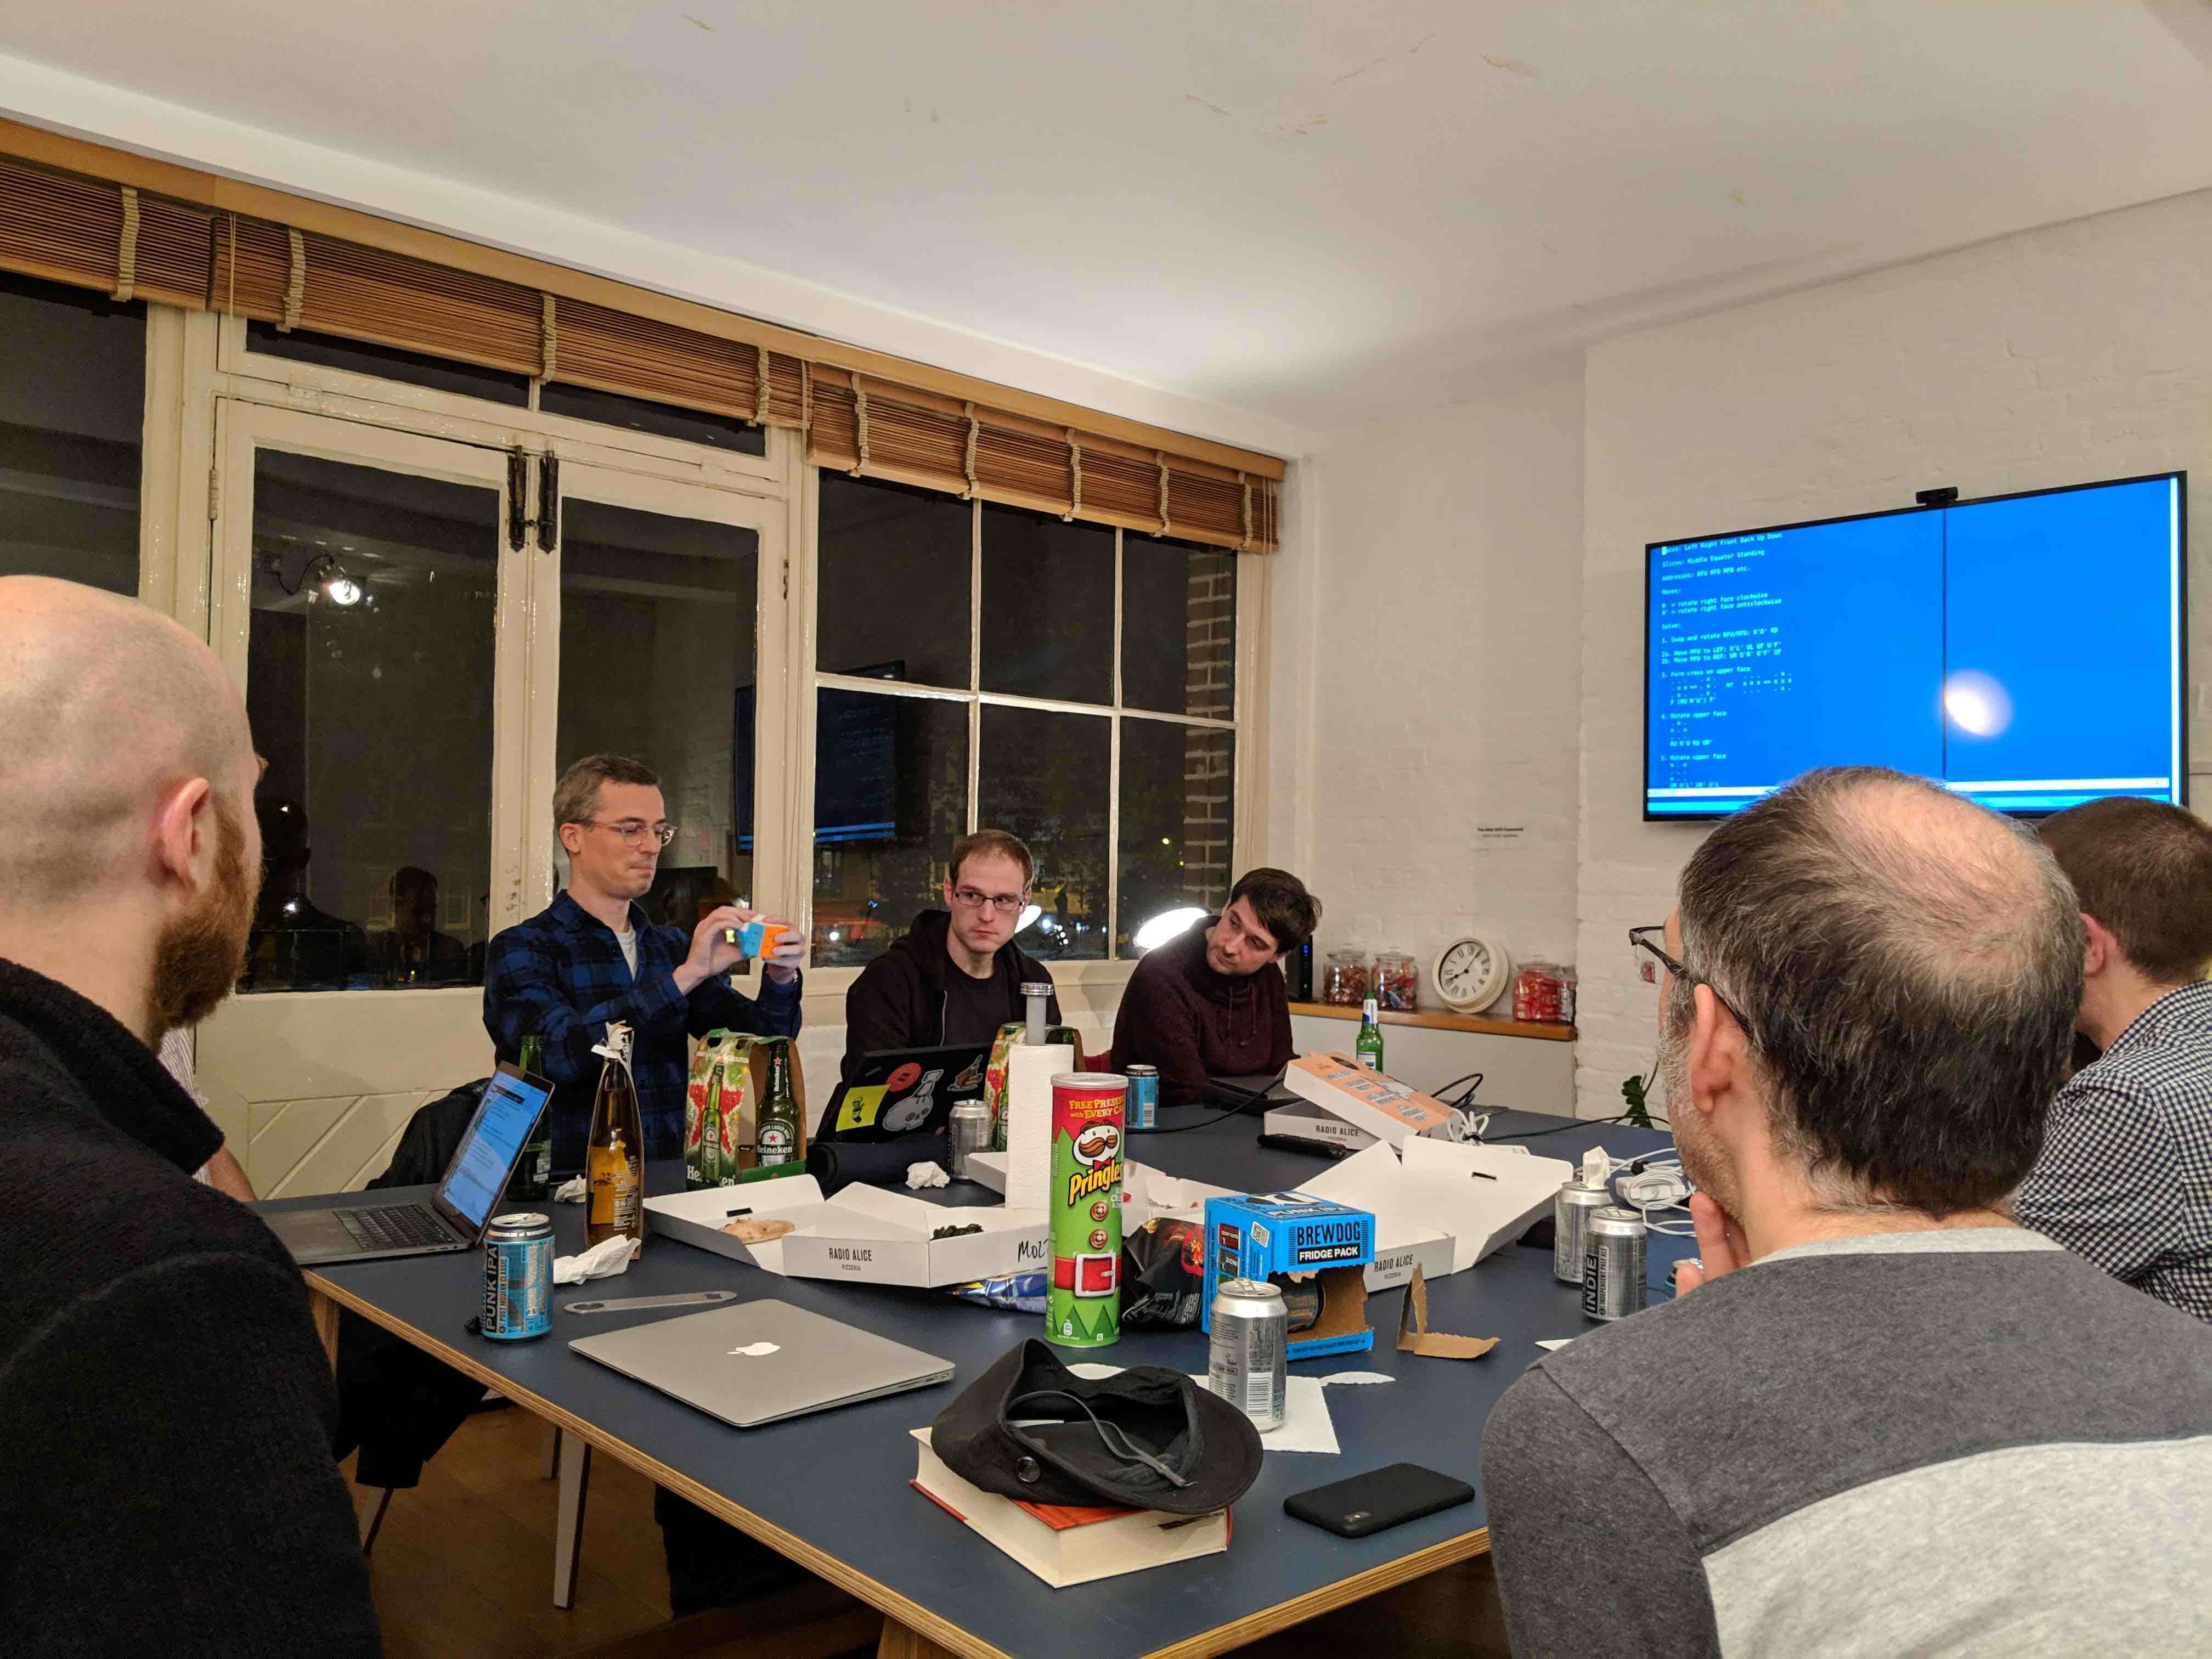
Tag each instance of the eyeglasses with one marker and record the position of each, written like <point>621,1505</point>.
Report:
<point>1006,904</point>
<point>1646,939</point>
<point>635,832</point>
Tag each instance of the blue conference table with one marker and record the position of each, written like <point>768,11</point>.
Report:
<point>831,1491</point>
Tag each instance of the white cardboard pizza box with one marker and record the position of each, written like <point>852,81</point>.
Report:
<point>868,1235</point>
<point>1374,1180</point>
<point>697,1215</point>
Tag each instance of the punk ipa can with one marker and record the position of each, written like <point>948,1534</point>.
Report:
<point>1144,1097</point>
<point>1612,1264</point>
<point>1245,1363</point>
<point>1082,1308</point>
<point>517,1298</point>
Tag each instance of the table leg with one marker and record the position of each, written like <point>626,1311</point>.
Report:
<point>550,1465</point>
<point>898,1641</point>
<point>324,1312</point>
<point>569,1527</point>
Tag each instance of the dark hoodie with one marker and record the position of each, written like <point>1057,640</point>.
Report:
<point>1194,1024</point>
<point>898,1001</point>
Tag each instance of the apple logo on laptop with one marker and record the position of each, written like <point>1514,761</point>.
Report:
<point>756,1350</point>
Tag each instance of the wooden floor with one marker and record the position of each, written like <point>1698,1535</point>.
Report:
<point>463,1569</point>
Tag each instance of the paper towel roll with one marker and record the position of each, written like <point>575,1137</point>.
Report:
<point>1030,1073</point>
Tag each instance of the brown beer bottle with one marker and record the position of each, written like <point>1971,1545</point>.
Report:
<point>614,1155</point>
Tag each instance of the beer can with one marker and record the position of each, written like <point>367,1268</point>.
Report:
<point>970,1133</point>
<point>1301,1301</point>
<point>1570,1211</point>
<point>1612,1264</point>
<point>1247,1363</point>
<point>517,1298</point>
<point>1144,1097</point>
<point>1082,1308</point>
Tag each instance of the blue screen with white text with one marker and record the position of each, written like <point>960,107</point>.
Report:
<point>2025,652</point>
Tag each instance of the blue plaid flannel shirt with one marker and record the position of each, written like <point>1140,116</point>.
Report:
<point>561,975</point>
<point>2125,1178</point>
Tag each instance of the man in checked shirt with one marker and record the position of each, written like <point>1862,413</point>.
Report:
<point>593,957</point>
<point>2125,1175</point>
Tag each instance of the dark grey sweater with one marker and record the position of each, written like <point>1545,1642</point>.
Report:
<point>166,1485</point>
<point>1951,1441</point>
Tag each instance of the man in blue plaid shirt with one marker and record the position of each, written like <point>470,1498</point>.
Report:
<point>592,956</point>
<point>2125,1175</point>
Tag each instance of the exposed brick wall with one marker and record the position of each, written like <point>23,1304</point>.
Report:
<point>1210,687</point>
<point>2076,352</point>
<point>1440,631</point>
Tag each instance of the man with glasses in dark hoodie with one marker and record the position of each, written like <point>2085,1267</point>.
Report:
<point>957,976</point>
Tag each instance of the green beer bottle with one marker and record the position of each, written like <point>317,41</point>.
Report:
<point>532,1182</point>
<point>1368,1049</point>
<point>710,1129</point>
<point>777,1141</point>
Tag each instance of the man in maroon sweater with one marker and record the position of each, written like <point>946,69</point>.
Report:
<point>1211,1003</point>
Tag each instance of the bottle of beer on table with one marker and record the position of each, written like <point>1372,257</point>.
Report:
<point>614,1154</point>
<point>533,1175</point>
<point>1368,1049</point>
<point>777,1140</point>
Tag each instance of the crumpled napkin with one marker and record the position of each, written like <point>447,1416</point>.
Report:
<point>571,1191</point>
<point>603,1260</point>
<point>919,1175</point>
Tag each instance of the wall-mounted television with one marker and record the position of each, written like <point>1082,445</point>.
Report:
<point>2027,651</point>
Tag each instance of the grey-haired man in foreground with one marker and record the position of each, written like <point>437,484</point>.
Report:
<point>1888,1420</point>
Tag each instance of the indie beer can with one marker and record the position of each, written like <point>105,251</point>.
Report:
<point>1570,1211</point>
<point>1082,1308</point>
<point>518,1298</point>
<point>1144,1097</point>
<point>970,1133</point>
<point>1246,1364</point>
<point>1612,1264</point>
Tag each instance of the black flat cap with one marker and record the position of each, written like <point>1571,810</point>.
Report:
<point>1029,1428</point>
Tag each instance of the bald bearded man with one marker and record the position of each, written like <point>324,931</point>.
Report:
<point>166,1484</point>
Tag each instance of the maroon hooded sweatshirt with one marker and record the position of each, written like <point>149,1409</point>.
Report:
<point>1194,1024</point>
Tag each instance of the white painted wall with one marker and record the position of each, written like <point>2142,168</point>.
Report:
<point>1427,663</point>
<point>2075,352</point>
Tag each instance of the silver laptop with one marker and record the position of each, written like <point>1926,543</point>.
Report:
<point>760,1362</point>
<point>467,1197</point>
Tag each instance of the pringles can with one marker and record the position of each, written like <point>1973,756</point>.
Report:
<point>1612,1264</point>
<point>1082,1308</point>
<point>1144,1097</point>
<point>518,1296</point>
<point>1247,1361</point>
<point>1570,1213</point>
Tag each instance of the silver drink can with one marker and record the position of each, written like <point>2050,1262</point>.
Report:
<point>970,1133</point>
<point>1612,1264</point>
<point>1570,1211</point>
<point>518,1293</point>
<point>1248,1364</point>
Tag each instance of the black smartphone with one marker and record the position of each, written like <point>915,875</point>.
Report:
<point>1378,1500</point>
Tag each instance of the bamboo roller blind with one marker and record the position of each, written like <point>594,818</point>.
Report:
<point>96,234</point>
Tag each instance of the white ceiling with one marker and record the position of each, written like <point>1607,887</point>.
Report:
<point>1274,207</point>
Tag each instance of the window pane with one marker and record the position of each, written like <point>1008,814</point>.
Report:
<point>659,616</point>
<point>891,797</point>
<point>1044,776</point>
<point>389,363</point>
<point>1177,803</point>
<point>1178,628</point>
<point>376,720</point>
<point>72,401</point>
<point>1048,607</point>
<point>894,573</point>
<point>663,420</point>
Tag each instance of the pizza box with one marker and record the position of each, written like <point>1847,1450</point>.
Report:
<point>1373,1181</point>
<point>1385,1108</point>
<point>870,1236</point>
<point>697,1215</point>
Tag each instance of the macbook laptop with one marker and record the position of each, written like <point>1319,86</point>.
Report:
<point>474,1184</point>
<point>1255,1093</point>
<point>760,1361</point>
<point>903,1091</point>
